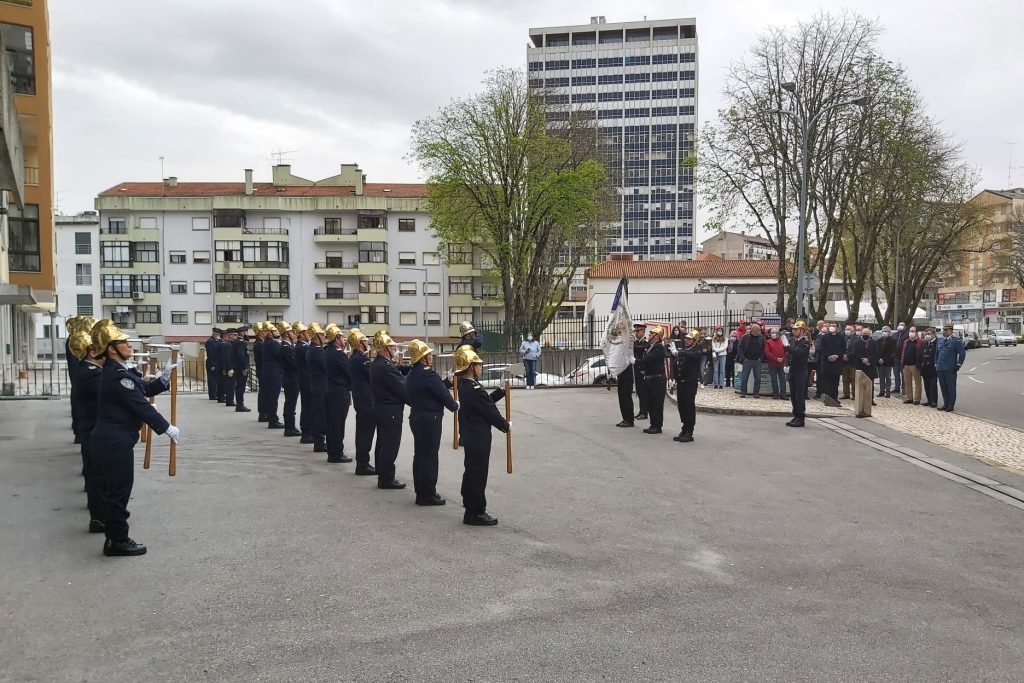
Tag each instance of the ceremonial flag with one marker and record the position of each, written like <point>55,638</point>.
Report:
<point>617,344</point>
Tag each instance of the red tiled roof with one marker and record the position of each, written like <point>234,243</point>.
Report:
<point>160,189</point>
<point>708,256</point>
<point>685,269</point>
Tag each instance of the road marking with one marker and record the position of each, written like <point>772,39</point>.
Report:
<point>973,369</point>
<point>975,380</point>
<point>986,362</point>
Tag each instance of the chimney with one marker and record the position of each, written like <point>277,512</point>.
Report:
<point>248,181</point>
<point>172,181</point>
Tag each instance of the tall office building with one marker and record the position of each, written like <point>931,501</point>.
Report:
<point>638,80</point>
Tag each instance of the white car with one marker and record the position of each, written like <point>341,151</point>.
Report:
<point>1003,338</point>
<point>493,377</point>
<point>594,370</point>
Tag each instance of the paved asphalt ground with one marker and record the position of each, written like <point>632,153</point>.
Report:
<point>756,553</point>
<point>991,385</point>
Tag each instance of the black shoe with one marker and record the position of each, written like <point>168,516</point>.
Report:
<point>790,423</point>
<point>242,409</point>
<point>275,425</point>
<point>941,408</point>
<point>306,439</point>
<point>124,548</point>
<point>319,448</point>
<point>831,402</point>
<point>292,432</point>
<point>431,500</point>
<point>263,418</point>
<point>888,395</point>
<point>949,409</point>
<point>880,394</point>
<point>483,519</point>
<point>797,422</point>
<point>652,430</point>
<point>755,396</point>
<point>96,526</point>
<point>229,405</point>
<point>874,404</point>
<point>338,458</point>
<point>365,470</point>
<point>907,401</point>
<point>624,423</point>
<point>393,484</point>
<point>640,416</point>
<point>686,438</point>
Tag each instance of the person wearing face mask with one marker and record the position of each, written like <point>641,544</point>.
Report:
<point>730,358</point>
<point>530,351</point>
<point>719,352</point>
<point>950,355</point>
<point>390,396</point>
<point>848,370</point>
<point>832,352</point>
<point>775,357</point>
<point>929,376</point>
<point>121,409</point>
<point>864,357</point>
<point>910,356</point>
<point>752,350</point>
<point>886,359</point>
<point>900,335</point>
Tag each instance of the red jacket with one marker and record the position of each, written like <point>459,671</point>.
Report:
<point>774,352</point>
<point>920,348</point>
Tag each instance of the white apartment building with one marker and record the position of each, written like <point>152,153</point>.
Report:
<point>177,258</point>
<point>638,81</point>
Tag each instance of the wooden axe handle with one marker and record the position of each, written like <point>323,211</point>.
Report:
<point>172,464</point>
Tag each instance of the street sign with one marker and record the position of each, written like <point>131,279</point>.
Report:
<point>811,282</point>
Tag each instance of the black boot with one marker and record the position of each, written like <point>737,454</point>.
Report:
<point>482,519</point>
<point>625,423</point>
<point>125,548</point>
<point>263,418</point>
<point>431,500</point>
<point>242,409</point>
<point>275,425</point>
<point>393,484</point>
<point>796,422</point>
<point>96,526</point>
<point>319,448</point>
<point>292,432</point>
<point>338,458</point>
<point>652,430</point>
<point>366,470</point>
<point>306,438</point>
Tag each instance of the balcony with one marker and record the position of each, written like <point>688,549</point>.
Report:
<point>372,268</point>
<point>250,234</point>
<point>265,264</point>
<point>334,235</point>
<point>264,299</point>
<point>335,266</point>
<point>337,297</point>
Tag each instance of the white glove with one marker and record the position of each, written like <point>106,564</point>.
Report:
<point>786,369</point>
<point>231,373</point>
<point>509,427</point>
<point>457,406</point>
<point>632,361</point>
<point>173,432</point>
<point>165,375</point>
<point>785,341</point>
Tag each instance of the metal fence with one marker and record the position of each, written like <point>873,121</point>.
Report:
<point>587,332</point>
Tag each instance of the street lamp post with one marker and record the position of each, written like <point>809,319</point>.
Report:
<point>426,304</point>
<point>805,162</point>
<point>896,281</point>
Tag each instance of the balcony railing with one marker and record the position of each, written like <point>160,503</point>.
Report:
<point>265,264</point>
<point>118,229</point>
<point>335,263</point>
<point>337,295</point>
<point>334,231</point>
<point>264,295</point>
<point>264,231</point>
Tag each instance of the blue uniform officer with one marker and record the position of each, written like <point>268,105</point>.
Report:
<point>428,397</point>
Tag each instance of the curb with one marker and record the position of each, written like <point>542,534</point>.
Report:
<point>712,410</point>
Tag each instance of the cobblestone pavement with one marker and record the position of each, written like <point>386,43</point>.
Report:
<point>728,402</point>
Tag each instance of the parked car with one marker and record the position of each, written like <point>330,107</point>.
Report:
<point>493,377</point>
<point>594,370</point>
<point>1003,338</point>
<point>970,340</point>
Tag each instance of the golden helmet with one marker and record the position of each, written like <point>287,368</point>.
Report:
<point>656,330</point>
<point>382,339</point>
<point>417,350</point>
<point>79,343</point>
<point>800,325</point>
<point>71,324</point>
<point>299,327</point>
<point>283,327</point>
<point>269,326</point>
<point>107,335</point>
<point>85,323</point>
<point>356,337</point>
<point>465,356</point>
<point>694,335</point>
<point>314,328</point>
<point>332,332</point>
<point>97,326</point>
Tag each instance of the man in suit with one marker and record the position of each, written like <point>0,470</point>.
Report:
<point>240,368</point>
<point>317,364</point>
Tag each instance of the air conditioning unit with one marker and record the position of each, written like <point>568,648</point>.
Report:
<point>137,296</point>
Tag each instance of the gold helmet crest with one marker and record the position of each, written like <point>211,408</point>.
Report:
<point>464,358</point>
<point>417,350</point>
<point>356,337</point>
<point>79,343</point>
<point>382,339</point>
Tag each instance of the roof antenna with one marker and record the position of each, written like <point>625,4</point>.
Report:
<point>162,176</point>
<point>280,155</point>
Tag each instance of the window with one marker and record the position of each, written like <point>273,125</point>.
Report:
<point>146,252</point>
<point>116,286</point>
<point>460,254</point>
<point>609,113</point>
<point>488,290</point>
<point>179,317</point>
<point>373,315</point>
<point>536,66</point>
<point>200,257</point>
<point>664,59</point>
<point>407,288</point>
<point>584,80</point>
<point>116,254</point>
<point>149,284</point>
<point>433,318</point>
<point>456,314</point>
<point>638,78</point>
<point>228,250</point>
<point>607,79</point>
<point>332,226</point>
<point>368,222</point>
<point>18,43</point>
<point>407,318</point>
<point>373,252</point>
<point>229,283</point>
<point>147,223</point>
<point>147,314</point>
<point>557,116</point>
<point>201,287</point>
<point>557,82</point>
<point>83,274</point>
<point>406,225</point>
<point>83,243</point>
<point>584,63</point>
<point>265,254</point>
<point>203,318</point>
<point>116,226</point>
<point>228,218</point>
<point>637,60</point>
<point>432,288</point>
<point>266,286</point>
<point>177,257</point>
<point>373,284</point>
<point>556,65</point>
<point>179,288</point>
<point>609,97</point>
<point>664,94</point>
<point>407,258</point>
<point>84,304</point>
<point>638,95</point>
<point>431,258</point>
<point>23,248</point>
<point>231,314</point>
<point>556,99</point>
<point>584,97</point>
<point>460,285</point>
<point>605,62</point>
<point>200,223</point>
<point>664,76</point>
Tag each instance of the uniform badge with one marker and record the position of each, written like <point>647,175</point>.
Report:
<point>127,383</point>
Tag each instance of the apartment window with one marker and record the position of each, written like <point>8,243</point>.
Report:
<point>406,318</point>
<point>609,79</point>
<point>664,59</point>
<point>584,80</point>
<point>432,288</point>
<point>431,258</point>
<point>605,62</point>
<point>407,258</point>
<point>18,43</point>
<point>116,226</point>
<point>584,63</point>
<point>373,252</point>
<point>147,314</point>
<point>83,274</point>
<point>200,223</point>
<point>557,116</point>
<point>638,78</point>
<point>460,285</point>
<point>83,243</point>
<point>146,252</point>
<point>177,257</point>
<point>406,225</point>
<point>23,247</point>
<point>433,319</point>
<point>201,287</point>
<point>609,97</point>
<point>229,283</point>
<point>231,314</point>
<point>116,254</point>
<point>664,76</point>
<point>456,314</point>
<point>228,250</point>
<point>179,288</point>
<point>407,288</point>
<point>116,286</point>
<point>370,222</point>
<point>632,95</point>
<point>179,317</point>
<point>150,284</point>
<point>460,254</point>
<point>556,65</point>
<point>582,97</point>
<point>228,218</point>
<point>638,60</point>
<point>332,226</point>
<point>266,286</point>
<point>557,82</point>
<point>373,284</point>
<point>203,318</point>
<point>84,304</point>
<point>200,257</point>
<point>147,223</point>
<point>265,254</point>
<point>489,290</point>
<point>373,315</point>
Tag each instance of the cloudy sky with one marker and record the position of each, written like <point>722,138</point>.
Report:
<point>214,86</point>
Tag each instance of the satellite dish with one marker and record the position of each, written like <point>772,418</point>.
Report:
<point>753,310</point>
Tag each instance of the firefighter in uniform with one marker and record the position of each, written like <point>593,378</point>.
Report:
<point>316,362</point>
<point>71,326</point>
<point>301,362</point>
<point>90,370</point>
<point>212,356</point>
<point>240,368</point>
<point>477,414</point>
<point>801,355</point>
<point>390,397</point>
<point>270,382</point>
<point>428,397</point>
<point>337,397</point>
<point>122,408</point>
<point>289,377</point>
<point>469,336</point>
<point>362,400</point>
<point>686,368</point>
<point>226,387</point>
<point>652,367</point>
<point>257,358</point>
<point>640,345</point>
<point>624,385</point>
